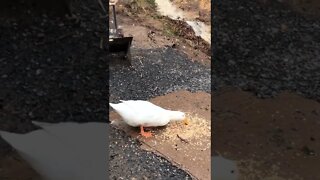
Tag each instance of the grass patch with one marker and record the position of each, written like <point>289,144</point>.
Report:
<point>152,3</point>
<point>141,5</point>
<point>169,29</point>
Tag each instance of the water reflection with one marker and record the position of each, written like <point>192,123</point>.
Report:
<point>224,169</point>
<point>64,151</point>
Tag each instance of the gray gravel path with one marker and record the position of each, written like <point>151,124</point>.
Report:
<point>267,48</point>
<point>130,162</point>
<point>157,72</point>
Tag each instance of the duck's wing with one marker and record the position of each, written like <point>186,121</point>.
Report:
<point>145,112</point>
<point>139,105</point>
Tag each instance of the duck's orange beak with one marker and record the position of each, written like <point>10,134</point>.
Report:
<point>186,121</point>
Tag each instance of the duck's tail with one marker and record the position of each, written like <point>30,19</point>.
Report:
<point>116,107</point>
<point>113,105</point>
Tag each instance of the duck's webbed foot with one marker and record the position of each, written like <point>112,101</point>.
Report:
<point>145,134</point>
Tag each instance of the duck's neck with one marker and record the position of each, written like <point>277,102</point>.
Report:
<point>172,115</point>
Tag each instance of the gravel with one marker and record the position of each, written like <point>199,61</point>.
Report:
<point>266,48</point>
<point>54,70</point>
<point>154,72</point>
<point>157,72</point>
<point>140,164</point>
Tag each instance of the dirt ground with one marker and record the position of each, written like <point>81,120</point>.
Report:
<point>152,31</point>
<point>267,123</point>
<point>267,137</point>
<point>198,9</point>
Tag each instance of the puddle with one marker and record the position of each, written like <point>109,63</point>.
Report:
<point>74,150</point>
<point>187,146</point>
<point>224,169</point>
<point>13,167</point>
<point>272,138</point>
<point>166,8</point>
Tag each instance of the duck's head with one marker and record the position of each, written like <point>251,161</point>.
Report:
<point>179,116</point>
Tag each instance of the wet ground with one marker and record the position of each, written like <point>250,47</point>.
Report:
<point>268,137</point>
<point>266,50</point>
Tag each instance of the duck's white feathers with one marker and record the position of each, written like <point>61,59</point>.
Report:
<point>138,112</point>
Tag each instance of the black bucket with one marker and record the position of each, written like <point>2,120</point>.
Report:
<point>117,45</point>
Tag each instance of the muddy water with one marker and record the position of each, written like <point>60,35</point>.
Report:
<point>77,155</point>
<point>274,138</point>
<point>224,169</point>
<point>166,8</point>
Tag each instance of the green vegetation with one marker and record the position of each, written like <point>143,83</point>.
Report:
<point>169,29</point>
<point>138,5</point>
<point>152,3</point>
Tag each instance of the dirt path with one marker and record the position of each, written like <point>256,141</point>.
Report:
<point>150,30</point>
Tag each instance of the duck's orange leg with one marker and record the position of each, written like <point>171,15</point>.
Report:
<point>145,134</point>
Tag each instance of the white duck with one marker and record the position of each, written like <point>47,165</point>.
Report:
<point>145,114</point>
